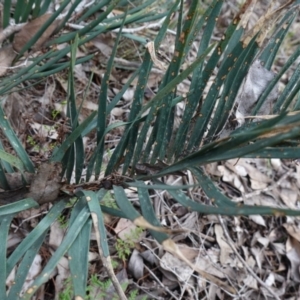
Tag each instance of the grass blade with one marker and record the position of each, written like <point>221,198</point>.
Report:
<point>68,240</point>
<point>134,149</point>
<point>4,228</point>
<point>24,267</point>
<point>79,251</point>
<point>156,101</point>
<point>210,189</point>
<point>272,84</point>
<point>230,210</point>
<point>12,160</point>
<point>6,12</point>
<point>149,214</point>
<point>164,119</point>
<point>231,87</point>
<point>17,207</point>
<point>35,38</point>
<point>269,53</point>
<point>59,152</point>
<point>16,144</point>
<point>31,238</point>
<point>101,117</point>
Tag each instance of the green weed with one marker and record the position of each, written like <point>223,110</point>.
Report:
<point>124,247</point>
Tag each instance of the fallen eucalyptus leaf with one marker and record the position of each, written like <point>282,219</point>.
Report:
<point>30,29</point>
<point>46,184</point>
<point>254,84</point>
<point>293,254</point>
<point>7,55</point>
<point>136,265</point>
<point>224,246</point>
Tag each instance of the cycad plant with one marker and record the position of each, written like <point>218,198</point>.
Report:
<point>218,123</point>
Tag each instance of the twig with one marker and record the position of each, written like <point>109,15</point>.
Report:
<point>186,283</point>
<point>232,246</point>
<point>158,259</point>
<point>28,219</point>
<point>160,283</point>
<point>147,292</point>
<point>125,30</point>
<point>5,33</point>
<point>266,117</point>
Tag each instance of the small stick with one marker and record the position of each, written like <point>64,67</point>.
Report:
<point>160,283</point>
<point>5,33</point>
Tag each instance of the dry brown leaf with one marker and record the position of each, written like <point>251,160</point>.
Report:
<point>16,180</point>
<point>142,222</point>
<point>136,265</point>
<point>149,256</point>
<point>30,29</point>
<point>246,12</point>
<point>173,264</point>
<point>209,263</point>
<point>14,109</point>
<point>189,252</point>
<point>212,169</point>
<point>231,177</point>
<point>124,229</point>
<point>57,234</point>
<point>258,179</point>
<point>224,247</point>
<point>258,255</point>
<point>128,95</point>
<point>276,164</point>
<point>254,84</point>
<point>63,273</point>
<point>10,280</point>
<point>173,248</point>
<point>270,280</point>
<point>117,111</point>
<point>289,197</point>
<point>151,49</point>
<point>33,272</point>
<point>258,219</point>
<point>7,55</point>
<point>81,75</point>
<point>293,230</point>
<point>90,105</point>
<point>105,43</point>
<point>261,199</point>
<point>293,254</point>
<point>250,281</point>
<point>46,184</point>
<point>13,239</point>
<point>264,24</point>
<point>241,171</point>
<point>263,241</point>
<point>280,249</point>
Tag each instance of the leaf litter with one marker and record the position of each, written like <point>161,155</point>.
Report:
<point>258,256</point>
